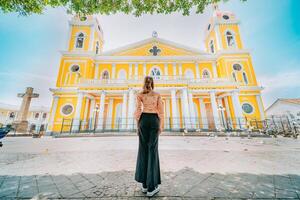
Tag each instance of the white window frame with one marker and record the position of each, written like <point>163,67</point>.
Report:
<point>233,37</point>
<point>209,74</point>
<point>77,35</point>
<point>101,75</point>
<point>160,71</point>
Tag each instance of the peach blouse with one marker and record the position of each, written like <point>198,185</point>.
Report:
<point>151,103</point>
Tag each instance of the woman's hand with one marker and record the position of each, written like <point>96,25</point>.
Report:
<point>160,130</point>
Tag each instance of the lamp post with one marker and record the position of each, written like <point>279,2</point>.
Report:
<point>96,110</point>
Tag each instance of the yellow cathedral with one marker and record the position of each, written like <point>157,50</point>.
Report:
<point>202,90</point>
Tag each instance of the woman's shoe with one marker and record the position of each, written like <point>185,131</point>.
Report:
<point>151,194</point>
<point>144,190</point>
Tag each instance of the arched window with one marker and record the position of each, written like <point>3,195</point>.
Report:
<point>97,47</point>
<point>79,40</point>
<point>212,46</point>
<point>12,115</point>
<point>245,78</point>
<point>122,74</point>
<point>230,39</point>
<point>155,73</point>
<point>189,74</point>
<point>205,74</point>
<point>234,76</point>
<point>44,115</point>
<point>105,75</point>
<point>36,115</point>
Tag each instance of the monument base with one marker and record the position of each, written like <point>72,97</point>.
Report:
<point>20,126</point>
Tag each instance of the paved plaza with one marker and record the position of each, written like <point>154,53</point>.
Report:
<point>192,168</point>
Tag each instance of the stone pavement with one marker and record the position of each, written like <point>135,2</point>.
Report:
<point>183,184</point>
<point>192,168</point>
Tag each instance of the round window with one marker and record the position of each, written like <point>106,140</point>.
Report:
<point>75,68</point>
<point>67,109</point>
<point>237,67</point>
<point>226,17</point>
<point>247,108</point>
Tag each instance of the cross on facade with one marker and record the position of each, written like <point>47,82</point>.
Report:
<point>27,96</point>
<point>155,50</point>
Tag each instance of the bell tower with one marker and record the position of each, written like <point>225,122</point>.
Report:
<point>222,31</point>
<point>85,34</point>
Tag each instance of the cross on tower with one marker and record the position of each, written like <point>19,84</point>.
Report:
<point>155,50</point>
<point>27,96</point>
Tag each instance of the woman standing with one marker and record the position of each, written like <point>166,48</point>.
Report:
<point>149,114</point>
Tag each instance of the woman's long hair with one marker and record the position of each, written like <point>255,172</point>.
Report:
<point>148,84</point>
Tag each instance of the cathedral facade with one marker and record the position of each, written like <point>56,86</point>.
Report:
<point>212,89</point>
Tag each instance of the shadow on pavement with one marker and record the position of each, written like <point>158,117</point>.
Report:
<point>183,184</point>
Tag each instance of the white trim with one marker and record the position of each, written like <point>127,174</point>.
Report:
<point>152,40</point>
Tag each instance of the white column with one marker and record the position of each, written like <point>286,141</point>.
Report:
<point>145,69</point>
<point>197,70</point>
<point>113,73</point>
<point>131,109</point>
<point>130,71</point>
<point>69,38</point>
<point>166,71</point>
<point>214,67</point>
<point>92,113</point>
<point>192,110</point>
<point>237,110</point>
<point>175,117</point>
<point>124,111</point>
<point>53,112</point>
<point>214,109</point>
<point>203,114</point>
<point>180,69</point>
<point>101,111</point>
<point>228,111</point>
<point>185,107</point>
<point>136,70</point>
<point>86,110</point>
<point>219,39</point>
<point>167,117</point>
<point>260,107</point>
<point>174,71</point>
<point>76,119</point>
<point>110,112</point>
<point>91,44</point>
<point>221,112</point>
<point>96,75</point>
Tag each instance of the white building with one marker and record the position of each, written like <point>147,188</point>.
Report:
<point>285,107</point>
<point>37,117</point>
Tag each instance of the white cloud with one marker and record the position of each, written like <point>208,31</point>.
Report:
<point>281,80</point>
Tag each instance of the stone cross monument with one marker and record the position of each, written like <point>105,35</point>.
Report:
<point>21,124</point>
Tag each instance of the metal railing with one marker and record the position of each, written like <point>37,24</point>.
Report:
<point>270,126</point>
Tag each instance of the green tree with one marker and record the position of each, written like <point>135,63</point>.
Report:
<point>84,7</point>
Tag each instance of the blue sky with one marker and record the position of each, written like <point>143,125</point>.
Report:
<point>29,46</point>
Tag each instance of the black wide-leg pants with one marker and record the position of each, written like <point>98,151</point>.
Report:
<point>147,165</point>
